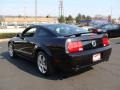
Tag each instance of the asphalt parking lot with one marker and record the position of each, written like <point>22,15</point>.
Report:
<point>19,74</point>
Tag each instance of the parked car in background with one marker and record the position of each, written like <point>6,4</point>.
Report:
<point>113,30</point>
<point>97,28</point>
<point>62,46</point>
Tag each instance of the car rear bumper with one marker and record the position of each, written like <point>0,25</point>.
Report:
<point>84,59</point>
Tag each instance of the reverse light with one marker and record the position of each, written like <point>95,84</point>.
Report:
<point>74,46</point>
<point>105,41</point>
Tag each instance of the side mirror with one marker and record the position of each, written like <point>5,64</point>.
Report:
<point>18,35</point>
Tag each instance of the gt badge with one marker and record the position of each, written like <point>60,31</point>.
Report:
<point>94,44</point>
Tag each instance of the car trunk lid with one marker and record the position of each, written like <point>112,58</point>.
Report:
<point>89,41</point>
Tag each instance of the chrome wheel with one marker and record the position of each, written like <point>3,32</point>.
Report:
<point>10,49</point>
<point>42,65</point>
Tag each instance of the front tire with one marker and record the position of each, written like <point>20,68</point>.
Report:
<point>11,51</point>
<point>43,64</point>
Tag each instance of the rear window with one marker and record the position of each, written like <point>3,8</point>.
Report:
<point>64,30</point>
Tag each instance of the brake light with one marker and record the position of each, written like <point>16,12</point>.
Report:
<point>99,30</point>
<point>106,41</point>
<point>75,46</point>
<point>96,30</point>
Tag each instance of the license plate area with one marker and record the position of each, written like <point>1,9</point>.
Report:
<point>96,57</point>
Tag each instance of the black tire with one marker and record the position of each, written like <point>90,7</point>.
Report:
<point>43,64</point>
<point>11,50</point>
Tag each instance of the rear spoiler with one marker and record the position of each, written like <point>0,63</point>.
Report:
<point>88,33</point>
<point>77,34</point>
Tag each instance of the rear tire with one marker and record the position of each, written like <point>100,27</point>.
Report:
<point>43,64</point>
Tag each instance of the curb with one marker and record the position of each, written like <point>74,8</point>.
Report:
<point>4,40</point>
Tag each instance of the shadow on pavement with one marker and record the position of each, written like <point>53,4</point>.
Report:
<point>30,68</point>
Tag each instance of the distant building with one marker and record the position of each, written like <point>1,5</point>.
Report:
<point>85,22</point>
<point>10,21</point>
<point>117,21</point>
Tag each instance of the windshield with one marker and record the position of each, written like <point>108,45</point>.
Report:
<point>65,30</point>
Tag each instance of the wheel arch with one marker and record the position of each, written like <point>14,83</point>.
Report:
<point>10,42</point>
<point>38,49</point>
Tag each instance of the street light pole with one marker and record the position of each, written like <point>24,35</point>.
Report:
<point>111,13</point>
<point>35,11</point>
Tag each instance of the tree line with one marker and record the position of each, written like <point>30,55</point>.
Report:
<point>69,19</point>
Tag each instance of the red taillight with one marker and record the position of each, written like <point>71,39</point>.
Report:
<point>75,46</point>
<point>106,41</point>
<point>96,30</point>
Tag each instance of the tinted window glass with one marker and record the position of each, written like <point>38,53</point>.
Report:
<point>109,26</point>
<point>65,30</point>
<point>115,27</point>
<point>30,32</point>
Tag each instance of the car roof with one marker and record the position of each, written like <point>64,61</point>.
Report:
<point>45,26</point>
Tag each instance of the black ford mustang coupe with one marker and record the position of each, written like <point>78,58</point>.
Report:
<point>62,46</point>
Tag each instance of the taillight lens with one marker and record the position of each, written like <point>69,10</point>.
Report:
<point>99,30</point>
<point>96,30</point>
<point>106,41</point>
<point>75,46</point>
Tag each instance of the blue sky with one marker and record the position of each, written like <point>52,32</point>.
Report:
<point>50,7</point>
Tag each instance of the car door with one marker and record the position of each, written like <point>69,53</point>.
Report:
<point>45,39</point>
<point>26,44</point>
<point>108,29</point>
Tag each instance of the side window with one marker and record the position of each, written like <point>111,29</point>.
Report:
<point>30,32</point>
<point>43,33</point>
<point>115,27</point>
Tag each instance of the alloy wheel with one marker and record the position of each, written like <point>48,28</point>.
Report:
<point>42,65</point>
<point>10,49</point>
